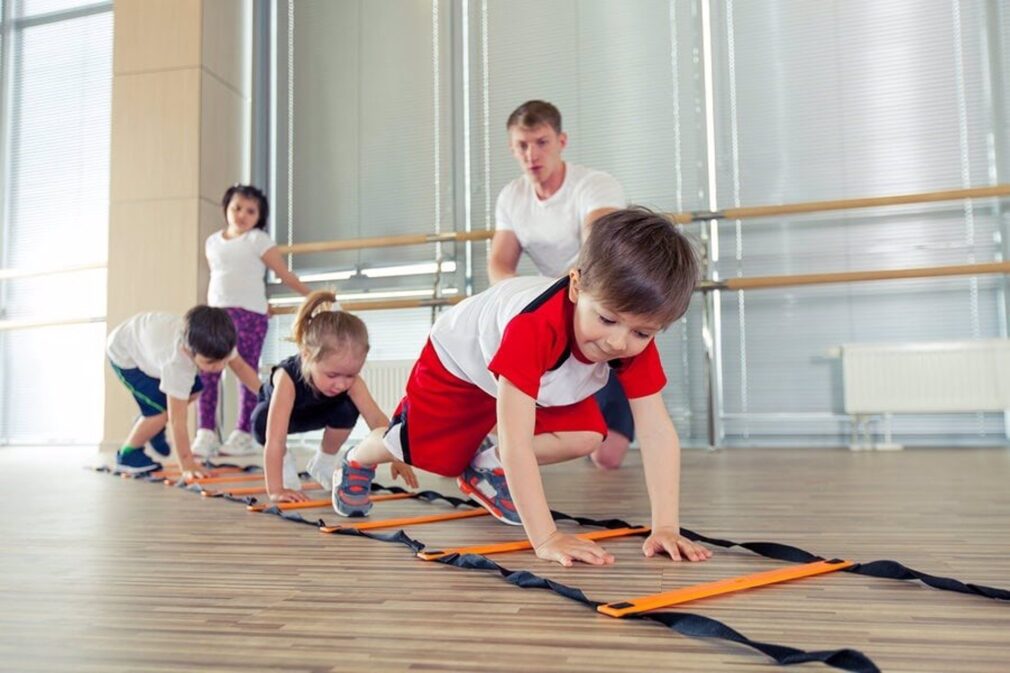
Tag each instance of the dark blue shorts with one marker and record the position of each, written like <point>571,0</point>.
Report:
<point>616,410</point>
<point>338,412</point>
<point>145,390</point>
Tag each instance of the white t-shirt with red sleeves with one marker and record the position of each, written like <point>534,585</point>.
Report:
<point>550,230</point>
<point>237,270</point>
<point>522,329</point>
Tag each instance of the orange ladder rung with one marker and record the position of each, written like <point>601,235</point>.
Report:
<point>231,479</point>
<point>253,490</point>
<point>175,472</point>
<point>677,596</point>
<point>520,545</point>
<point>408,521</point>
<point>314,504</point>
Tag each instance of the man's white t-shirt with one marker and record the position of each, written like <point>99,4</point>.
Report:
<point>550,230</point>
<point>237,269</point>
<point>153,343</point>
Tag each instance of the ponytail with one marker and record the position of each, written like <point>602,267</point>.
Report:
<point>314,304</point>
<point>319,330</point>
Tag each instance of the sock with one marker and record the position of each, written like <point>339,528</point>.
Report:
<point>487,459</point>
<point>127,448</point>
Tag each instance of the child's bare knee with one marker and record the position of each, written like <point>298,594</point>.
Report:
<point>611,452</point>
<point>584,443</point>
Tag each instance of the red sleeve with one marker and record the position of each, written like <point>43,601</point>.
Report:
<point>529,347</point>
<point>642,375</point>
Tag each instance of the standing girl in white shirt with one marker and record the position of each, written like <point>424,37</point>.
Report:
<point>239,256</point>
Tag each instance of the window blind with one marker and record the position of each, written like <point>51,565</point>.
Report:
<point>57,139</point>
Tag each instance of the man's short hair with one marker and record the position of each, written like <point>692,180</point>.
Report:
<point>533,113</point>
<point>637,261</point>
<point>209,332</point>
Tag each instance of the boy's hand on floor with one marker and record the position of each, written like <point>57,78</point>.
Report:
<point>670,541</point>
<point>398,469</point>
<point>193,470</point>
<point>566,549</point>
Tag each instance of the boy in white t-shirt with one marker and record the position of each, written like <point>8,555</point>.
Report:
<point>158,357</point>
<point>527,355</point>
<point>547,213</point>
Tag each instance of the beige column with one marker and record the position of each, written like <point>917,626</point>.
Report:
<point>180,137</point>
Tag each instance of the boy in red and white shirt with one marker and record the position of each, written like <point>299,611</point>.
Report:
<point>526,356</point>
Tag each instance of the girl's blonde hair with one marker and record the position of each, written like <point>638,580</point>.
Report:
<point>319,331</point>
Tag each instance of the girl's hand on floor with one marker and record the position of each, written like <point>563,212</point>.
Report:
<point>289,495</point>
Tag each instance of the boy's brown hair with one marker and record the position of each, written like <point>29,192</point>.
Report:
<point>533,113</point>
<point>637,261</point>
<point>209,331</point>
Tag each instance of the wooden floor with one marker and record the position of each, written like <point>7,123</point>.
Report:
<point>103,574</point>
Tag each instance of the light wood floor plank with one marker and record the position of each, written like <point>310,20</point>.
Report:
<point>103,574</point>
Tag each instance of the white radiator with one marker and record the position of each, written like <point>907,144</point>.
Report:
<point>952,376</point>
<point>387,380</point>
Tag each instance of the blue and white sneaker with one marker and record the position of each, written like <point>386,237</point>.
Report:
<point>491,490</point>
<point>352,484</point>
<point>135,462</point>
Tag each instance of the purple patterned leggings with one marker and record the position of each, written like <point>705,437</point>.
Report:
<point>252,332</point>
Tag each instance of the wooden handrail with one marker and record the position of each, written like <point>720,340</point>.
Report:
<point>753,283</point>
<point>764,282</point>
<point>385,242</point>
<point>380,304</point>
<point>741,213</point>
<point>10,274</point>
<point>843,204</point>
<point>31,323</point>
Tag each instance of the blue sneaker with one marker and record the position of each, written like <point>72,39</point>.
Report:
<point>352,484</point>
<point>491,490</point>
<point>135,462</point>
<point>160,444</point>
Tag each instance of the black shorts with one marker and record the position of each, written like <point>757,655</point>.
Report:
<point>338,413</point>
<point>616,410</point>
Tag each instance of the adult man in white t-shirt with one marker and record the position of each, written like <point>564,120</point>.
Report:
<point>547,213</point>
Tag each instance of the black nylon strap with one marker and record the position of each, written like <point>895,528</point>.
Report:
<point>882,569</point>
<point>692,625</point>
<point>896,571</point>
<point>426,496</point>
<point>688,624</point>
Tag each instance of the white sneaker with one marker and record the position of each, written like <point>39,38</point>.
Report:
<point>320,468</point>
<point>205,444</point>
<point>291,479</point>
<point>240,443</point>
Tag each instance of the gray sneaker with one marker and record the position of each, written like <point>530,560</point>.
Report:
<point>352,484</point>
<point>491,490</point>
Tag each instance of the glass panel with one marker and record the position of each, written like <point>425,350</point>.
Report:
<point>57,208</point>
<point>52,384</point>
<point>29,8</point>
